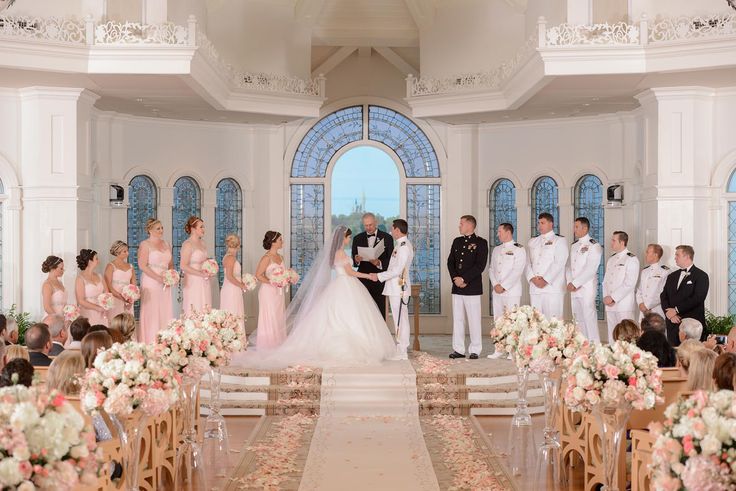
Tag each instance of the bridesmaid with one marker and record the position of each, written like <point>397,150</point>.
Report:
<point>157,306</point>
<point>196,289</point>
<point>119,273</point>
<point>271,330</point>
<point>231,295</point>
<point>89,286</point>
<point>53,293</point>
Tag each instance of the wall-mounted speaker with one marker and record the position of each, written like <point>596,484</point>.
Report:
<point>117,195</point>
<point>615,195</point>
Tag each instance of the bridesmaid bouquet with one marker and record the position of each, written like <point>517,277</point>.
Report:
<point>71,312</point>
<point>210,267</point>
<point>250,282</point>
<point>130,293</point>
<point>106,301</point>
<point>170,277</point>
<point>293,276</point>
<point>278,276</point>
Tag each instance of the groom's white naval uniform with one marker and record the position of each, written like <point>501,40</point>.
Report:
<point>398,269</point>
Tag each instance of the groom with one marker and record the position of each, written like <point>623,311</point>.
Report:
<point>370,238</point>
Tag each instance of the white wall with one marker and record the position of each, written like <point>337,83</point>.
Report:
<point>672,8</point>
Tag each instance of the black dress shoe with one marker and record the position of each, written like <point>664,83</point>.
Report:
<point>455,354</point>
<point>473,356</point>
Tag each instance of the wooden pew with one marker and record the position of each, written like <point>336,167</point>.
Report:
<point>641,457</point>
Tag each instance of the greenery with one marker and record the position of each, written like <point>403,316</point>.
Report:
<point>23,319</point>
<point>719,324</point>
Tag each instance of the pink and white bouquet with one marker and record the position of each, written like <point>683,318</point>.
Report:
<point>602,374</point>
<point>210,267</point>
<point>546,345</point>
<point>696,446</point>
<point>130,376</point>
<point>106,301</point>
<point>170,277</point>
<point>71,312</point>
<point>130,293</point>
<point>249,282</point>
<point>191,347</point>
<point>228,330</point>
<point>507,330</point>
<point>44,441</point>
<point>278,276</point>
<point>293,276</point>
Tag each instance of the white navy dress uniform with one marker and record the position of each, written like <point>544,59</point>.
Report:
<point>397,287</point>
<point>582,272</point>
<point>547,258</point>
<point>622,272</point>
<point>508,261</point>
<point>651,283</point>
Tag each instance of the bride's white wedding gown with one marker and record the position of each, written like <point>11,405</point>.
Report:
<point>344,328</point>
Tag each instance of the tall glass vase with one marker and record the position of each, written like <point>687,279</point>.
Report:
<point>521,437</point>
<point>549,452</point>
<point>612,420</point>
<point>216,445</point>
<point>130,430</point>
<point>190,474</point>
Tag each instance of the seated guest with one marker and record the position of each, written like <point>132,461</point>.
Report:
<point>38,342</point>
<point>700,375</point>
<point>17,372</point>
<point>16,351</point>
<point>2,355</point>
<point>653,322</point>
<point>724,370</point>
<point>690,329</point>
<point>3,326</point>
<point>656,343</point>
<point>97,328</point>
<point>78,330</point>
<point>65,373</point>
<point>125,323</point>
<point>58,334</point>
<point>116,335</point>
<point>626,330</point>
<point>92,344</point>
<point>729,346</point>
<point>684,352</point>
<point>11,331</point>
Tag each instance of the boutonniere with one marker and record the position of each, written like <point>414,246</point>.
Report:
<point>472,247</point>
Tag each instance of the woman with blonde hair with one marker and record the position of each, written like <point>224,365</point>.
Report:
<point>16,351</point>
<point>157,306</point>
<point>119,273</point>
<point>231,295</point>
<point>125,324</point>
<point>65,373</point>
<point>700,373</point>
<point>92,344</point>
<point>626,330</point>
<point>684,353</point>
<point>196,287</point>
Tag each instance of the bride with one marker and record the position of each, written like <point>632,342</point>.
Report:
<point>332,321</point>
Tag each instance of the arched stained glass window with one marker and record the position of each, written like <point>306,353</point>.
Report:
<point>423,215</point>
<point>501,207</point>
<point>404,137</point>
<point>142,201</point>
<point>545,199</point>
<point>228,219</point>
<point>187,202</point>
<point>307,226</point>
<point>731,188</point>
<point>589,204</point>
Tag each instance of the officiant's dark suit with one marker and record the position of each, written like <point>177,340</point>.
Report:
<point>688,298</point>
<point>375,288</point>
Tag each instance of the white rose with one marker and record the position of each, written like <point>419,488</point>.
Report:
<point>710,445</point>
<point>24,415</point>
<point>9,472</point>
<point>583,379</point>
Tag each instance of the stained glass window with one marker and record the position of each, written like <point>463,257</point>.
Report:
<point>502,207</point>
<point>589,204</point>
<point>307,226</point>
<point>399,133</point>
<point>545,200</point>
<point>142,201</point>
<point>732,257</point>
<point>324,139</point>
<point>732,183</point>
<point>423,215</point>
<point>187,202</point>
<point>228,219</point>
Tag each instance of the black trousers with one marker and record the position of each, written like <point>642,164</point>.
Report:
<point>375,288</point>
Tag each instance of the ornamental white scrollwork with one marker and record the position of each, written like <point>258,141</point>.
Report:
<point>683,28</point>
<point>112,32</point>
<point>608,34</point>
<point>43,28</point>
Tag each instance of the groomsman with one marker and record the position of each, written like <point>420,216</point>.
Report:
<point>619,283</point>
<point>508,261</point>
<point>651,282</point>
<point>466,263</point>
<point>582,278</point>
<point>684,294</point>
<point>370,238</point>
<point>398,284</point>
<point>545,270</point>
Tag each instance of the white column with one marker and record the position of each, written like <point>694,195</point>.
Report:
<point>154,11</point>
<point>12,252</point>
<point>579,12</point>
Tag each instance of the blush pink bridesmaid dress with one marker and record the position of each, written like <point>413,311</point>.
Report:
<point>231,296</point>
<point>196,291</point>
<point>91,292</point>
<point>157,305</point>
<point>271,321</point>
<point>120,278</point>
<point>58,300</point>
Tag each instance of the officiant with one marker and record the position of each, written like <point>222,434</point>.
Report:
<point>372,238</point>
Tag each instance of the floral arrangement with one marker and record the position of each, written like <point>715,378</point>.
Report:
<point>170,277</point>
<point>210,267</point>
<point>546,345</point>
<point>278,276</point>
<point>106,301</point>
<point>249,282</point>
<point>602,374</point>
<point>129,376</point>
<point>45,442</point>
<point>229,333</point>
<point>130,293</point>
<point>507,330</point>
<point>71,312</point>
<point>696,446</point>
<point>293,276</point>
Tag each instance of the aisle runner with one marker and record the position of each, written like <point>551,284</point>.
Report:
<point>368,435</point>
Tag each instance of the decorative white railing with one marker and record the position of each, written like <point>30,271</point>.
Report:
<point>113,33</point>
<point>620,34</point>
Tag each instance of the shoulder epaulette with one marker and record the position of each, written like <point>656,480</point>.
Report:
<point>630,254</point>
<point>403,244</point>
<point>517,244</point>
<point>664,266</point>
<point>613,254</point>
<point>575,241</point>
<point>534,237</point>
<point>646,267</point>
<point>592,241</point>
<point>558,235</point>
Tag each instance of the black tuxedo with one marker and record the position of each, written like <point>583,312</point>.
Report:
<point>39,359</point>
<point>468,259</point>
<point>375,288</point>
<point>689,299</point>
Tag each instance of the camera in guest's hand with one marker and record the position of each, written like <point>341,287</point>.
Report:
<point>721,339</point>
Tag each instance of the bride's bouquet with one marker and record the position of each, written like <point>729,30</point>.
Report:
<point>210,267</point>
<point>106,301</point>
<point>278,276</point>
<point>249,282</point>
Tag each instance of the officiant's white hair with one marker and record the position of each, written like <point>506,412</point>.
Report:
<point>368,214</point>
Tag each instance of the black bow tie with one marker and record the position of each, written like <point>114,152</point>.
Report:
<point>684,270</point>
<point>371,235</point>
